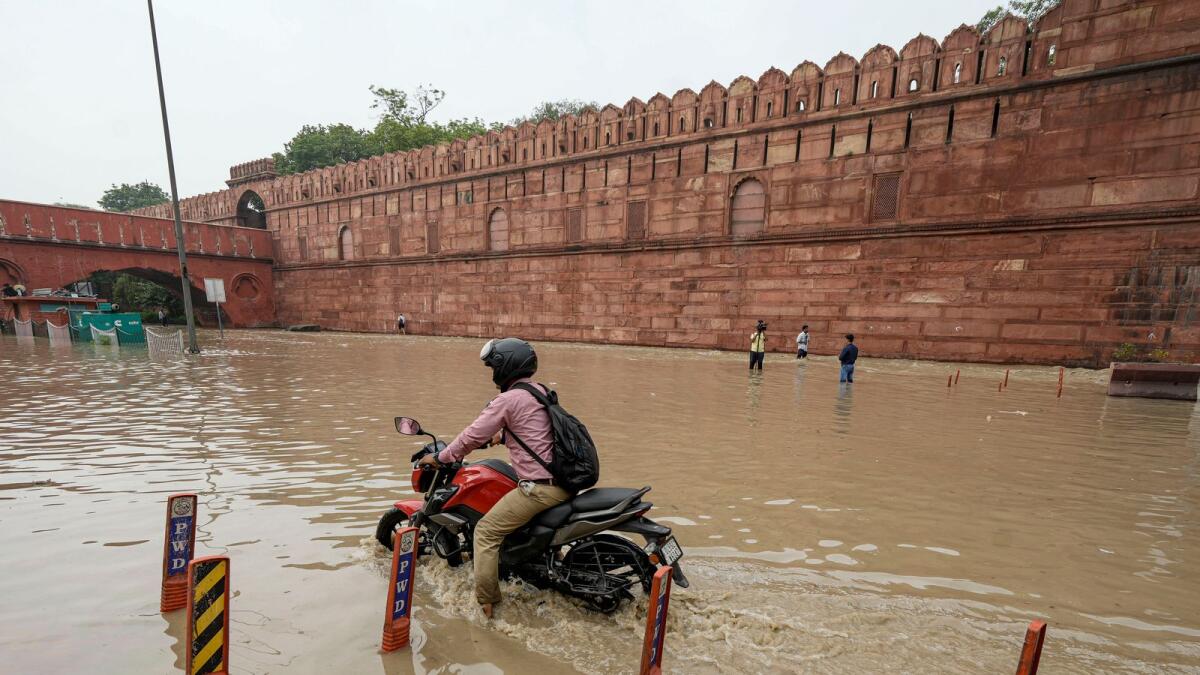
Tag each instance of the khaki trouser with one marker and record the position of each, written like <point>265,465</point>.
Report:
<point>508,515</point>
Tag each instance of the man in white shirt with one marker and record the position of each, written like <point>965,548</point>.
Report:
<point>802,343</point>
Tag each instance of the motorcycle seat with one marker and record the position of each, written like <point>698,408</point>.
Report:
<point>598,499</point>
<point>553,517</point>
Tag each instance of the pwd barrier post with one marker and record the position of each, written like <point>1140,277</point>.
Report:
<point>1031,651</point>
<point>656,622</point>
<point>398,617</point>
<point>178,546</point>
<point>208,616</point>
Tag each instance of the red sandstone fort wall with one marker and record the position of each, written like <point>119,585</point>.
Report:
<point>1024,195</point>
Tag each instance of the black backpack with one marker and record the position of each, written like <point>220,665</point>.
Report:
<point>576,465</point>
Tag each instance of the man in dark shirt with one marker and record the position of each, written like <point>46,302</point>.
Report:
<point>9,291</point>
<point>848,356</point>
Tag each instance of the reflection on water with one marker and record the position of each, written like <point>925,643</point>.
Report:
<point>890,525</point>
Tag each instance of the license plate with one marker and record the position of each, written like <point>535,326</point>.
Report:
<point>670,551</point>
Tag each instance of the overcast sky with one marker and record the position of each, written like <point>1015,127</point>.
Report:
<point>79,107</point>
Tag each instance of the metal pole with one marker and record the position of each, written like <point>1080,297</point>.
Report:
<point>220,326</point>
<point>179,244</point>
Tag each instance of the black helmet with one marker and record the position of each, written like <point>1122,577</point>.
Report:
<point>510,359</point>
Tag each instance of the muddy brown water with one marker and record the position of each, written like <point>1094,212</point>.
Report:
<point>891,525</point>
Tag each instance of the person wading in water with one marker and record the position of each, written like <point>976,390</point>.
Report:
<point>512,361</point>
<point>758,345</point>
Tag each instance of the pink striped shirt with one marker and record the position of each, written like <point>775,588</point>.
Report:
<point>518,410</point>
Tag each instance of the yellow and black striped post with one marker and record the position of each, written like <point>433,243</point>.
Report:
<point>208,616</point>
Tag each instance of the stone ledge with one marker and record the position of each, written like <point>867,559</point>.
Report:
<point>1155,380</point>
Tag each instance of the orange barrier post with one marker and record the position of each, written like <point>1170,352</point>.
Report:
<point>1006,378</point>
<point>956,373</point>
<point>656,622</point>
<point>397,619</point>
<point>208,616</point>
<point>178,546</point>
<point>1031,651</point>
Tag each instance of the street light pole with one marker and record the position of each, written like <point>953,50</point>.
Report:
<point>179,245</point>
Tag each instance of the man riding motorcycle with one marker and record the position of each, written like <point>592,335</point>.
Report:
<point>512,360</point>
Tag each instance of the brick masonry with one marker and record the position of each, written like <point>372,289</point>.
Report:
<point>1026,195</point>
<point>50,246</point>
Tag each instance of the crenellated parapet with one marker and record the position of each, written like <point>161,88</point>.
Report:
<point>1075,37</point>
<point>248,172</point>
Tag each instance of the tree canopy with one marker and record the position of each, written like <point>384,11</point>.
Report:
<point>404,124</point>
<point>552,110</point>
<point>127,197</point>
<point>322,145</point>
<point>1030,10</point>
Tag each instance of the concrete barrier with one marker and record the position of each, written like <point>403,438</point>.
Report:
<point>178,546</point>
<point>656,622</point>
<point>398,617</point>
<point>1031,651</point>
<point>208,616</point>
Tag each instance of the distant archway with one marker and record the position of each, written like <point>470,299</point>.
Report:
<point>10,272</point>
<point>345,243</point>
<point>498,231</point>
<point>251,211</point>
<point>748,210</point>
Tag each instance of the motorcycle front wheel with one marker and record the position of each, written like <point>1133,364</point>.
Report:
<point>391,521</point>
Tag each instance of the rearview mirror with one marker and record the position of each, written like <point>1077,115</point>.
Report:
<point>408,426</point>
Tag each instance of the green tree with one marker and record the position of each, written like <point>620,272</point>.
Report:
<point>1030,10</point>
<point>127,197</point>
<point>135,294</point>
<point>403,125</point>
<point>552,110</point>
<point>321,145</point>
<point>404,122</point>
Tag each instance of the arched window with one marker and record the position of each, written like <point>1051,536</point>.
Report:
<point>874,88</point>
<point>770,105</point>
<point>708,122</point>
<point>837,96</point>
<point>498,231</point>
<point>608,138</point>
<point>957,73</point>
<point>681,124</point>
<point>800,105</point>
<point>913,84</point>
<point>345,244</point>
<point>251,211</point>
<point>656,128</point>
<point>739,114</point>
<point>1052,54</point>
<point>748,210</point>
<point>1002,68</point>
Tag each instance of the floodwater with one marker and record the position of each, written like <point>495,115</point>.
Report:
<point>890,525</point>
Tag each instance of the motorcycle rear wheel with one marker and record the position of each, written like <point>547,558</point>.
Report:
<point>600,569</point>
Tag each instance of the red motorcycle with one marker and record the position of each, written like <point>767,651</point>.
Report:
<point>569,547</point>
